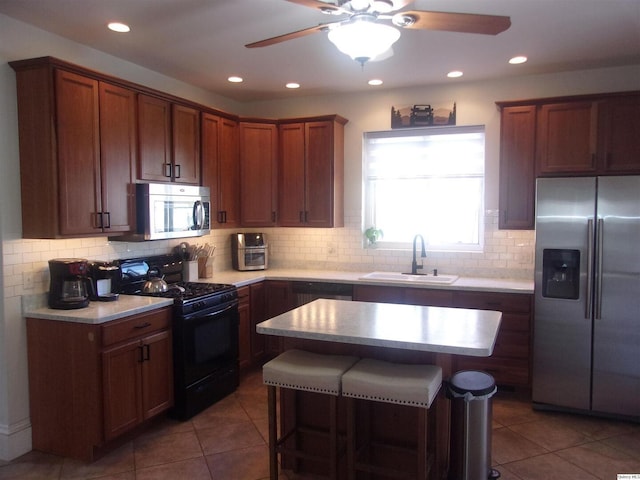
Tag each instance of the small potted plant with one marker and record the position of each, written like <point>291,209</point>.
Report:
<point>373,234</point>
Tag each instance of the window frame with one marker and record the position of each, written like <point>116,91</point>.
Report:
<point>368,205</point>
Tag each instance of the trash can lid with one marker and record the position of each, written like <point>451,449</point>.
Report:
<point>472,381</point>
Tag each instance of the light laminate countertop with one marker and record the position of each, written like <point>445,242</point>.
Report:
<point>240,279</point>
<point>126,305</point>
<point>455,331</point>
<point>101,312</point>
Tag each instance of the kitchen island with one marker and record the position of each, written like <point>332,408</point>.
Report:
<point>397,333</point>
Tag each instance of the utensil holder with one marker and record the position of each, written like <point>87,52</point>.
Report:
<point>190,271</point>
<point>205,267</point>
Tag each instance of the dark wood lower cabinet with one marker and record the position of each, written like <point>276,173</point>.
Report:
<point>510,363</point>
<point>89,383</point>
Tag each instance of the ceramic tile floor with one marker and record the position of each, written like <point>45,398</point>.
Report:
<point>227,442</point>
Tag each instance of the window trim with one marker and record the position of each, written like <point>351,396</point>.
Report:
<point>367,213</point>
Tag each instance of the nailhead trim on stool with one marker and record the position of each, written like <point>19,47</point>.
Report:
<point>312,372</point>
<point>380,381</point>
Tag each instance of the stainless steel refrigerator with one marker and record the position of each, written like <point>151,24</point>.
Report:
<point>586,347</point>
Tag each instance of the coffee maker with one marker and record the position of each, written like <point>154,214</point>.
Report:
<point>104,276</point>
<point>70,286</point>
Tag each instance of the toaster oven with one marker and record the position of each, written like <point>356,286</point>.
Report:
<point>249,251</point>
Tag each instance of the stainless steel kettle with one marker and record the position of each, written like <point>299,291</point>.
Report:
<point>154,284</point>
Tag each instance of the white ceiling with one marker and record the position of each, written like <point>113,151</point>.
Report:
<point>202,41</point>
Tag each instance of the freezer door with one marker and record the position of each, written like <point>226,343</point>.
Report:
<point>616,340</point>
<point>565,210</point>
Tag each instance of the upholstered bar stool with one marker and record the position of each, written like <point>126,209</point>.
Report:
<point>380,381</point>
<point>312,372</point>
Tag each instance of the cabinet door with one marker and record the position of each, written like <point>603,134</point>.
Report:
<point>157,373</point>
<point>220,168</point>
<point>619,138</point>
<point>517,167</point>
<point>122,388</point>
<point>77,110</point>
<point>244,311</point>
<point>117,157</point>
<point>279,299</point>
<point>185,122</point>
<point>323,175</point>
<point>229,173</point>
<point>258,156</point>
<point>154,139</point>
<point>258,315</point>
<point>291,175</point>
<point>566,138</point>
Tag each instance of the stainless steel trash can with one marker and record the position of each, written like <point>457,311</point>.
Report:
<point>470,392</point>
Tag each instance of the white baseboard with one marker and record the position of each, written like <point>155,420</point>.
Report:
<point>15,440</point>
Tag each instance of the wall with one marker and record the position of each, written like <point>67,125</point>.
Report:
<point>507,253</point>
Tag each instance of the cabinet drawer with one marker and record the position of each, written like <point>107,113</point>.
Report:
<point>136,326</point>
<point>503,302</point>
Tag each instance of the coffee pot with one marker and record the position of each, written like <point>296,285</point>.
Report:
<point>104,277</point>
<point>70,286</point>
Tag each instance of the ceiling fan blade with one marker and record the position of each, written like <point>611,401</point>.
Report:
<point>289,36</point>
<point>324,7</point>
<point>452,22</point>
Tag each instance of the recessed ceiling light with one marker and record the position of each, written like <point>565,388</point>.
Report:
<point>235,79</point>
<point>292,85</point>
<point>375,82</point>
<point>454,74</point>
<point>118,27</point>
<point>517,60</point>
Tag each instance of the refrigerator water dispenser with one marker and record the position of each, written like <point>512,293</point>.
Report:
<point>561,273</point>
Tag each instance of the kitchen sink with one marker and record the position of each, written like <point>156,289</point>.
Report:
<point>409,278</point>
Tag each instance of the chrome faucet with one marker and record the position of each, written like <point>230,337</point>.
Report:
<point>414,264</point>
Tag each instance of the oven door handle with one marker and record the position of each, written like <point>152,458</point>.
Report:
<point>213,311</point>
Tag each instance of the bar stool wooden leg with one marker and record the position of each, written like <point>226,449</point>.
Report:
<point>273,433</point>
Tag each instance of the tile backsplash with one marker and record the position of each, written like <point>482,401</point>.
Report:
<point>507,253</point>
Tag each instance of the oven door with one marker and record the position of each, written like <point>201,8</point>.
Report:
<point>205,342</point>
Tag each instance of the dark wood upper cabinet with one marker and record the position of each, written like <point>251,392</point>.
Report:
<point>221,168</point>
<point>311,173</point>
<point>169,141</point>
<point>568,136</point>
<point>517,167</point>
<point>619,135</point>
<point>154,139</point>
<point>77,152</point>
<point>78,129</point>
<point>118,155</point>
<point>186,144</point>
<point>258,174</point>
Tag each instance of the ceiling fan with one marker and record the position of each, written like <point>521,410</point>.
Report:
<point>370,27</point>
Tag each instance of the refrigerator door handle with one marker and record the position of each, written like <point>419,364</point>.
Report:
<point>589,302</point>
<point>598,276</point>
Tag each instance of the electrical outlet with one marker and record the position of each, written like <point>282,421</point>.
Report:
<point>332,250</point>
<point>27,280</point>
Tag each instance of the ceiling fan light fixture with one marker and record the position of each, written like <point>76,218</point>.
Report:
<point>382,6</point>
<point>362,38</point>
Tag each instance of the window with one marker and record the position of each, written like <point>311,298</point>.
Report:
<point>427,181</point>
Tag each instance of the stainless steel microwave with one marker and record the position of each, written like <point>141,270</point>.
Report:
<point>167,210</point>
